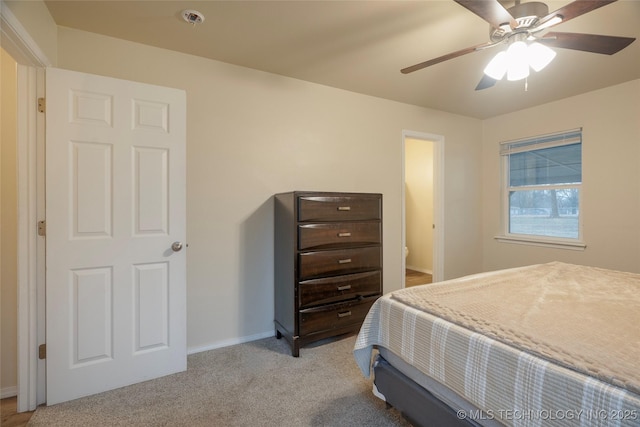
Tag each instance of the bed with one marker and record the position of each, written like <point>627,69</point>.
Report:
<point>541,345</point>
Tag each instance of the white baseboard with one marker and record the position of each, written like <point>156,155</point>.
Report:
<point>421,270</point>
<point>233,341</point>
<point>8,392</point>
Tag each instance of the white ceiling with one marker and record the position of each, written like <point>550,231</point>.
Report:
<point>361,46</point>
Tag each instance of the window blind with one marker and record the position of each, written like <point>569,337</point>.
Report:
<point>573,136</point>
<point>553,159</point>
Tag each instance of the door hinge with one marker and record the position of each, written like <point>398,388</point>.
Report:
<point>42,105</point>
<point>42,228</point>
<point>42,351</point>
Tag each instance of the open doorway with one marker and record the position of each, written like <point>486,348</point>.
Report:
<point>422,204</point>
<point>418,202</point>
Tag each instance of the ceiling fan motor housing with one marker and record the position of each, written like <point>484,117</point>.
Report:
<point>526,15</point>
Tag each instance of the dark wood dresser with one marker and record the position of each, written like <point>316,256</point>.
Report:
<point>328,263</point>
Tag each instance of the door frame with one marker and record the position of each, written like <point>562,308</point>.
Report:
<point>31,60</point>
<point>438,201</point>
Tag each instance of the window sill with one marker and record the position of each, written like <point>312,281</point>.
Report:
<point>532,241</point>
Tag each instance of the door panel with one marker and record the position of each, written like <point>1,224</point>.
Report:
<point>90,186</point>
<point>151,198</point>
<point>151,284</point>
<point>91,290</point>
<point>115,203</point>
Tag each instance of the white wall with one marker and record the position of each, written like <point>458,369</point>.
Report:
<point>8,227</point>
<point>419,204</point>
<point>610,205</point>
<point>252,134</point>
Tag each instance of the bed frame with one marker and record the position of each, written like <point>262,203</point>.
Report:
<point>416,404</point>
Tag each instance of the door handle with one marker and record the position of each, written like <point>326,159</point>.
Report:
<point>176,246</point>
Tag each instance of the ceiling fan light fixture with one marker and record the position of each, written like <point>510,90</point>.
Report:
<point>517,61</point>
<point>517,71</point>
<point>497,67</point>
<point>540,56</point>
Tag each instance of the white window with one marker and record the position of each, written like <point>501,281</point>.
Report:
<point>542,183</point>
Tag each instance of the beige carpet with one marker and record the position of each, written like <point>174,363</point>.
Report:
<point>253,384</point>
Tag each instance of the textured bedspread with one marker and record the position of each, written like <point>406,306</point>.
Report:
<point>584,318</point>
<point>552,344</point>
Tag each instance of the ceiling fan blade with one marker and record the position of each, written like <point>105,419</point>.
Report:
<point>489,10</point>
<point>486,82</point>
<point>443,58</point>
<point>574,9</point>
<point>594,43</point>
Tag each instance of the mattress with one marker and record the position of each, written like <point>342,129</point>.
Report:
<point>457,334</point>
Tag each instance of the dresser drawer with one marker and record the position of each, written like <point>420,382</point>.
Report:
<point>327,235</point>
<point>339,208</point>
<point>336,262</point>
<point>334,315</point>
<point>339,288</point>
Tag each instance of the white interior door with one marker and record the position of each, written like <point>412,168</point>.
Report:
<point>115,204</point>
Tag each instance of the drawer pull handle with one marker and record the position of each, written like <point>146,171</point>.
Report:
<point>346,234</point>
<point>344,288</point>
<point>344,208</point>
<point>344,314</point>
<point>344,261</point>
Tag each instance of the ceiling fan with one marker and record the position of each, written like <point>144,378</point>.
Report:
<point>520,27</point>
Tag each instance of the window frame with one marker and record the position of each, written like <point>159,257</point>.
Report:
<point>556,139</point>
